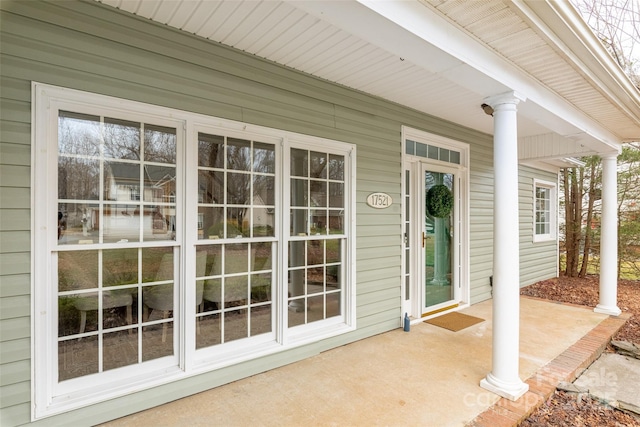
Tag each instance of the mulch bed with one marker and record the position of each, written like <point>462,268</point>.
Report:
<point>566,409</point>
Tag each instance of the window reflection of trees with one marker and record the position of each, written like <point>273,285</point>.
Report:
<point>79,134</point>
<point>121,139</point>
<point>78,179</point>
<point>238,174</point>
<point>336,167</point>
<point>238,154</point>
<point>99,159</point>
<point>160,144</point>
<point>318,165</point>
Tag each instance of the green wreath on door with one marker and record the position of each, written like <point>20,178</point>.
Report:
<point>439,201</point>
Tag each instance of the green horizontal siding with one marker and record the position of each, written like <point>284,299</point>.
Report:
<point>15,263</point>
<point>15,154</point>
<point>15,350</point>
<point>481,219</point>
<point>15,372</point>
<point>538,261</point>
<point>14,241</point>
<point>14,285</point>
<point>14,307</point>
<point>15,328</point>
<point>14,219</point>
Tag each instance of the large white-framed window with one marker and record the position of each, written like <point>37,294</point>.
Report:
<point>544,210</point>
<point>183,243</point>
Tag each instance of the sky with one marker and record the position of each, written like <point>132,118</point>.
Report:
<point>615,19</point>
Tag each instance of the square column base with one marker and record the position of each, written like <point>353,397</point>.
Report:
<point>604,309</point>
<point>512,393</point>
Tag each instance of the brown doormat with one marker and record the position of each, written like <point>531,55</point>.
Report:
<point>454,321</point>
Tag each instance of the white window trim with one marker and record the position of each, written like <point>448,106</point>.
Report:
<point>553,211</point>
<point>48,398</point>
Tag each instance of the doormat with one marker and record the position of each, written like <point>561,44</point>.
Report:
<point>454,321</point>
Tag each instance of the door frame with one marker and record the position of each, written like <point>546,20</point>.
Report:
<point>412,254</point>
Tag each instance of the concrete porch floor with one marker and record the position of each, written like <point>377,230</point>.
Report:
<point>427,377</point>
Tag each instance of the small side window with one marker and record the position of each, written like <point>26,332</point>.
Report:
<point>544,211</point>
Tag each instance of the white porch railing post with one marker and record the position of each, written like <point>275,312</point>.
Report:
<point>504,377</point>
<point>608,303</point>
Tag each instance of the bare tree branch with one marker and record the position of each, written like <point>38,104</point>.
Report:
<point>617,24</point>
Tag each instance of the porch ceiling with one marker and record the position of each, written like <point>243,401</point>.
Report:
<point>439,57</point>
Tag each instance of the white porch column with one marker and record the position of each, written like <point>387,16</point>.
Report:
<point>609,239</point>
<point>504,378</point>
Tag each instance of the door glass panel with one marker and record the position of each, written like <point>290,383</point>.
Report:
<point>438,232</point>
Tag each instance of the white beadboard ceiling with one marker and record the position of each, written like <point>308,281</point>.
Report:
<point>349,43</point>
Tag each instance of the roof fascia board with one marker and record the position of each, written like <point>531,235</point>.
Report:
<point>561,25</point>
<point>443,34</point>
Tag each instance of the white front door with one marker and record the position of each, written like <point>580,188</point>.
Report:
<point>436,276</point>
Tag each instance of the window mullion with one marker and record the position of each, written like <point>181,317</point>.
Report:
<point>188,200</point>
<point>283,238</point>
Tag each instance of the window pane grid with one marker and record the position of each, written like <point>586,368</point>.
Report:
<point>317,193</point>
<point>116,198</point>
<point>314,280</point>
<point>101,295</point>
<point>103,161</point>
<point>237,292</point>
<point>236,200</point>
<point>236,189</point>
<point>543,211</point>
<point>427,151</point>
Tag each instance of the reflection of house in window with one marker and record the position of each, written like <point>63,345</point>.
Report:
<point>200,221</point>
<point>333,217</point>
<point>263,217</point>
<point>123,183</point>
<point>134,192</point>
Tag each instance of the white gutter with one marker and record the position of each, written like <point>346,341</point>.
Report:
<point>562,26</point>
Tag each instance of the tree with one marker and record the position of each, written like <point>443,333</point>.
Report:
<point>573,204</point>
<point>581,199</point>
<point>629,210</point>
<point>617,24</point>
<point>593,163</point>
<point>581,189</point>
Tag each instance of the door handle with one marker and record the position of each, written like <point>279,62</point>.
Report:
<point>424,238</point>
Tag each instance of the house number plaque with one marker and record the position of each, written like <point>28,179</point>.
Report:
<point>379,200</point>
